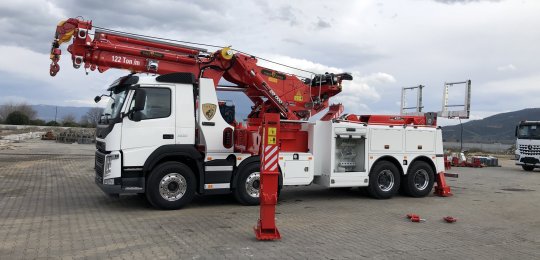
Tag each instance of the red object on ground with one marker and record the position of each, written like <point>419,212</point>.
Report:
<point>455,161</point>
<point>450,219</point>
<point>447,164</point>
<point>415,218</point>
<point>442,189</point>
<point>266,226</point>
<point>412,216</point>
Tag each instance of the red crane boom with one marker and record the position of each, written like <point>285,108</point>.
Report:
<point>270,90</point>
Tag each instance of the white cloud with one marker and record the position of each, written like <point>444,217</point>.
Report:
<point>81,102</point>
<point>24,62</point>
<point>14,99</point>
<point>509,67</point>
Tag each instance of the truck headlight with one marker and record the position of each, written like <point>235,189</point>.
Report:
<point>517,157</point>
<point>107,167</point>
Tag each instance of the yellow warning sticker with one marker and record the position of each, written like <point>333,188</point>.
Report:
<point>271,140</point>
<point>274,80</point>
<point>272,131</point>
<point>298,96</point>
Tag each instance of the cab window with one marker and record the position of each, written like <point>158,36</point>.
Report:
<point>158,103</point>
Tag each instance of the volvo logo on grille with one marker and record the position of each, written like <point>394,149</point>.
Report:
<point>529,147</point>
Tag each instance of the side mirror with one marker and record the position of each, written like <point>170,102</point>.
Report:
<point>140,100</point>
<point>97,99</point>
<point>136,116</point>
<point>515,134</point>
<point>138,106</point>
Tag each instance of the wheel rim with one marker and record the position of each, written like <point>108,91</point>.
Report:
<point>172,186</point>
<point>385,180</point>
<point>253,184</point>
<point>421,179</point>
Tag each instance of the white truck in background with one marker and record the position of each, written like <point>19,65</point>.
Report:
<point>528,145</point>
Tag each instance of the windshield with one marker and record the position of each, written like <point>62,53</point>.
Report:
<point>529,132</point>
<point>114,105</point>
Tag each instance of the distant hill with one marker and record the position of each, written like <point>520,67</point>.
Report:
<point>47,112</point>
<point>499,128</point>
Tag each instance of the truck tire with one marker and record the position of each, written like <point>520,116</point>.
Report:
<point>419,180</point>
<point>384,179</point>
<point>171,185</point>
<point>528,168</point>
<point>248,185</point>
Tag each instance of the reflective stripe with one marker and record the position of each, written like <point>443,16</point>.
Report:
<point>271,157</point>
<point>218,168</point>
<point>132,169</point>
<point>211,186</point>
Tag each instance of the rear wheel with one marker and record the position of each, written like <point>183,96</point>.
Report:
<point>419,180</point>
<point>171,185</point>
<point>528,168</point>
<point>384,179</point>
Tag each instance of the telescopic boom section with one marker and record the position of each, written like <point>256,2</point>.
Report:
<point>271,91</point>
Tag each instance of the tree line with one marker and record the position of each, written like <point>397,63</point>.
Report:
<point>23,114</point>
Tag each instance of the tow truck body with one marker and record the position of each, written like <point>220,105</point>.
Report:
<point>339,153</point>
<point>165,133</point>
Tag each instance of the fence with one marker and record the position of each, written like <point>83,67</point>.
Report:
<point>493,148</point>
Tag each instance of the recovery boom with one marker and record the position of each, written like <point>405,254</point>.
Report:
<point>270,90</point>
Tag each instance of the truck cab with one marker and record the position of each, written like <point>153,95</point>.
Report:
<point>528,145</point>
<point>169,137</point>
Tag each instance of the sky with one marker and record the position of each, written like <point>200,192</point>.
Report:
<point>386,45</point>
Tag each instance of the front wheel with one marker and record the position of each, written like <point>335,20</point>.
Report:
<point>528,168</point>
<point>419,180</point>
<point>248,185</point>
<point>384,179</point>
<point>171,185</point>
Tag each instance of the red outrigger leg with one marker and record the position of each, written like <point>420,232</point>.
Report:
<point>269,151</point>
<point>442,189</point>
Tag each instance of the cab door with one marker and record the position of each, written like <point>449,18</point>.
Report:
<point>156,127</point>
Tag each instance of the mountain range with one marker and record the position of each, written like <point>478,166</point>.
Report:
<point>499,128</point>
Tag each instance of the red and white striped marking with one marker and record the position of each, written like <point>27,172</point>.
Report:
<point>271,155</point>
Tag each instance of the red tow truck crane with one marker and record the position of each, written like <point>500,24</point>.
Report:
<point>277,145</point>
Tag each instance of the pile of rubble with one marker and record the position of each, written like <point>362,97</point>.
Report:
<point>73,135</point>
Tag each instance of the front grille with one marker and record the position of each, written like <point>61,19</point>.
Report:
<point>100,160</point>
<point>528,149</point>
<point>529,160</point>
<point>101,146</point>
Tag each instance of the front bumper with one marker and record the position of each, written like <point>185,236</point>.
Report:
<point>108,189</point>
<point>121,185</point>
<point>530,161</point>
<point>109,175</point>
